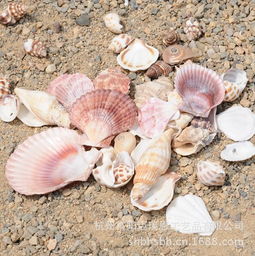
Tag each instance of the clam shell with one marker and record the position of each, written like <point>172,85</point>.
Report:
<point>125,141</point>
<point>160,68</point>
<point>171,37</point>
<point>137,56</point>
<point>48,161</point>
<point>4,87</point>
<point>201,89</point>
<point>9,107</point>
<point>13,13</point>
<point>120,42</point>
<point>188,214</point>
<point>35,48</point>
<point>210,173</point>
<point>102,113</point>
<point>192,29</point>
<point>112,22</point>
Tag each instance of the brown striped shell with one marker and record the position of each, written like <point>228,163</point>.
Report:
<point>4,87</point>
<point>160,68</point>
<point>35,48</point>
<point>13,13</point>
<point>171,37</point>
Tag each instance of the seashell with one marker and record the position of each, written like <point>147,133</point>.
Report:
<point>68,88</point>
<point>102,113</point>
<point>40,108</point>
<point>35,48</point>
<point>113,79</point>
<point>234,81</point>
<point>201,89</point>
<point>160,194</point>
<point>160,68</point>
<point>188,215</point>
<point>192,29</point>
<point>112,22</point>
<point>159,88</point>
<point>153,163</point>
<point>237,123</point>
<point>137,56</point>
<point>177,54</point>
<point>120,42</point>
<point>13,13</point>
<point>4,87</point>
<point>171,37</point>
<point>9,107</point>
<point>125,141</point>
<point>179,124</point>
<point>210,173</point>
<point>48,161</point>
<point>238,151</point>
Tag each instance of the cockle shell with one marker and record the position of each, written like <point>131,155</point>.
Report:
<point>13,13</point>
<point>48,161</point>
<point>40,108</point>
<point>201,89</point>
<point>171,37</point>
<point>192,29</point>
<point>137,56</point>
<point>9,107</point>
<point>112,22</point>
<point>234,81</point>
<point>103,113</point>
<point>160,194</point>
<point>210,173</point>
<point>177,54</point>
<point>188,214</point>
<point>69,87</point>
<point>35,48</point>
<point>238,151</point>
<point>160,68</point>
<point>237,123</point>
<point>4,87</point>
<point>120,42</point>
<point>125,141</point>
<point>113,79</point>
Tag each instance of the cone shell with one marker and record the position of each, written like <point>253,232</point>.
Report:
<point>48,161</point>
<point>9,107</point>
<point>102,113</point>
<point>120,42</point>
<point>13,13</point>
<point>160,68</point>
<point>35,48</point>
<point>137,56</point>
<point>192,29</point>
<point>4,87</point>
<point>201,89</point>
<point>112,22</point>
<point>68,88</point>
<point>171,37</point>
<point>125,141</point>
<point>210,173</point>
<point>113,79</point>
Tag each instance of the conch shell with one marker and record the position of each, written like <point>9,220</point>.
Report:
<point>112,22</point>
<point>171,37</point>
<point>35,48</point>
<point>160,68</point>
<point>13,13</point>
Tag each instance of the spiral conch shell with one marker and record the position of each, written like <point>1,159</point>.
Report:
<point>120,42</point>
<point>112,22</point>
<point>160,68</point>
<point>35,48</point>
<point>171,37</point>
<point>192,29</point>
<point>13,13</point>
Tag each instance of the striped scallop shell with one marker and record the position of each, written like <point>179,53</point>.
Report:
<point>13,13</point>
<point>120,42</point>
<point>210,173</point>
<point>35,48</point>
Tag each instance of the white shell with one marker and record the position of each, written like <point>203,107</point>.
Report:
<point>112,22</point>
<point>120,42</point>
<point>137,56</point>
<point>237,123</point>
<point>9,107</point>
<point>188,214</point>
<point>238,151</point>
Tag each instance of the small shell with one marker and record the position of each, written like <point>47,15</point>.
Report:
<point>9,107</point>
<point>177,54</point>
<point>210,173</point>
<point>48,161</point>
<point>120,42</point>
<point>112,22</point>
<point>4,87</point>
<point>160,68</point>
<point>125,141</point>
<point>113,79</point>
<point>234,81</point>
<point>238,151</point>
<point>192,29</point>
<point>137,56</point>
<point>13,13</point>
<point>171,37</point>
<point>179,124</point>
<point>35,48</point>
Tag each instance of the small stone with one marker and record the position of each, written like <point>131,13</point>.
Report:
<point>57,27</point>
<point>136,213</point>
<point>215,214</point>
<point>59,237</point>
<point>50,69</point>
<point>7,240</point>
<point>33,240</point>
<point>184,161</point>
<point>83,20</point>
<point>42,200</point>
<point>154,11</point>
<point>127,219</point>
<point>79,219</point>
<point>132,75</point>
<point>60,3</point>
<point>237,217</point>
<point>197,186</point>
<point>52,243</point>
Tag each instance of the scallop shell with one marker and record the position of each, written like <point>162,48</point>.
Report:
<point>102,113</point>
<point>13,13</point>
<point>120,42</point>
<point>40,108</point>
<point>160,194</point>
<point>35,48</point>
<point>192,29</point>
<point>113,79</point>
<point>68,88</point>
<point>188,215</point>
<point>160,68</point>
<point>137,56</point>
<point>112,22</point>
<point>210,173</point>
<point>4,87</point>
<point>48,161</point>
<point>238,151</point>
<point>171,37</point>
<point>234,81</point>
<point>237,123</point>
<point>125,141</point>
<point>201,89</point>
<point>177,54</point>
<point>9,107</point>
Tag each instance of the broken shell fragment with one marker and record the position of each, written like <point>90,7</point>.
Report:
<point>4,87</point>
<point>120,42</point>
<point>160,68</point>
<point>171,37</point>
<point>125,141</point>
<point>35,48</point>
<point>112,22</point>
<point>192,29</point>
<point>9,107</point>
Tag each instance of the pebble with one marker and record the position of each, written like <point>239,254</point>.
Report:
<point>215,214</point>
<point>136,213</point>
<point>127,219</point>
<point>51,69</point>
<point>83,20</point>
<point>51,245</point>
<point>132,75</point>
<point>184,161</point>
<point>154,11</point>
<point>33,240</point>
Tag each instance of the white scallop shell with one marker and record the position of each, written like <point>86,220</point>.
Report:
<point>9,107</point>
<point>120,42</point>
<point>188,214</point>
<point>112,22</point>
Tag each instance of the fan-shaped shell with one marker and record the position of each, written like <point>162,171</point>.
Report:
<point>137,56</point>
<point>188,214</point>
<point>13,13</point>
<point>9,107</point>
<point>113,79</point>
<point>160,68</point>
<point>35,48</point>
<point>201,89</point>
<point>112,22</point>
<point>125,141</point>
<point>171,37</point>
<point>48,161</point>
<point>192,29</point>
<point>102,113</point>
<point>120,42</point>
<point>4,87</point>
<point>210,173</point>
